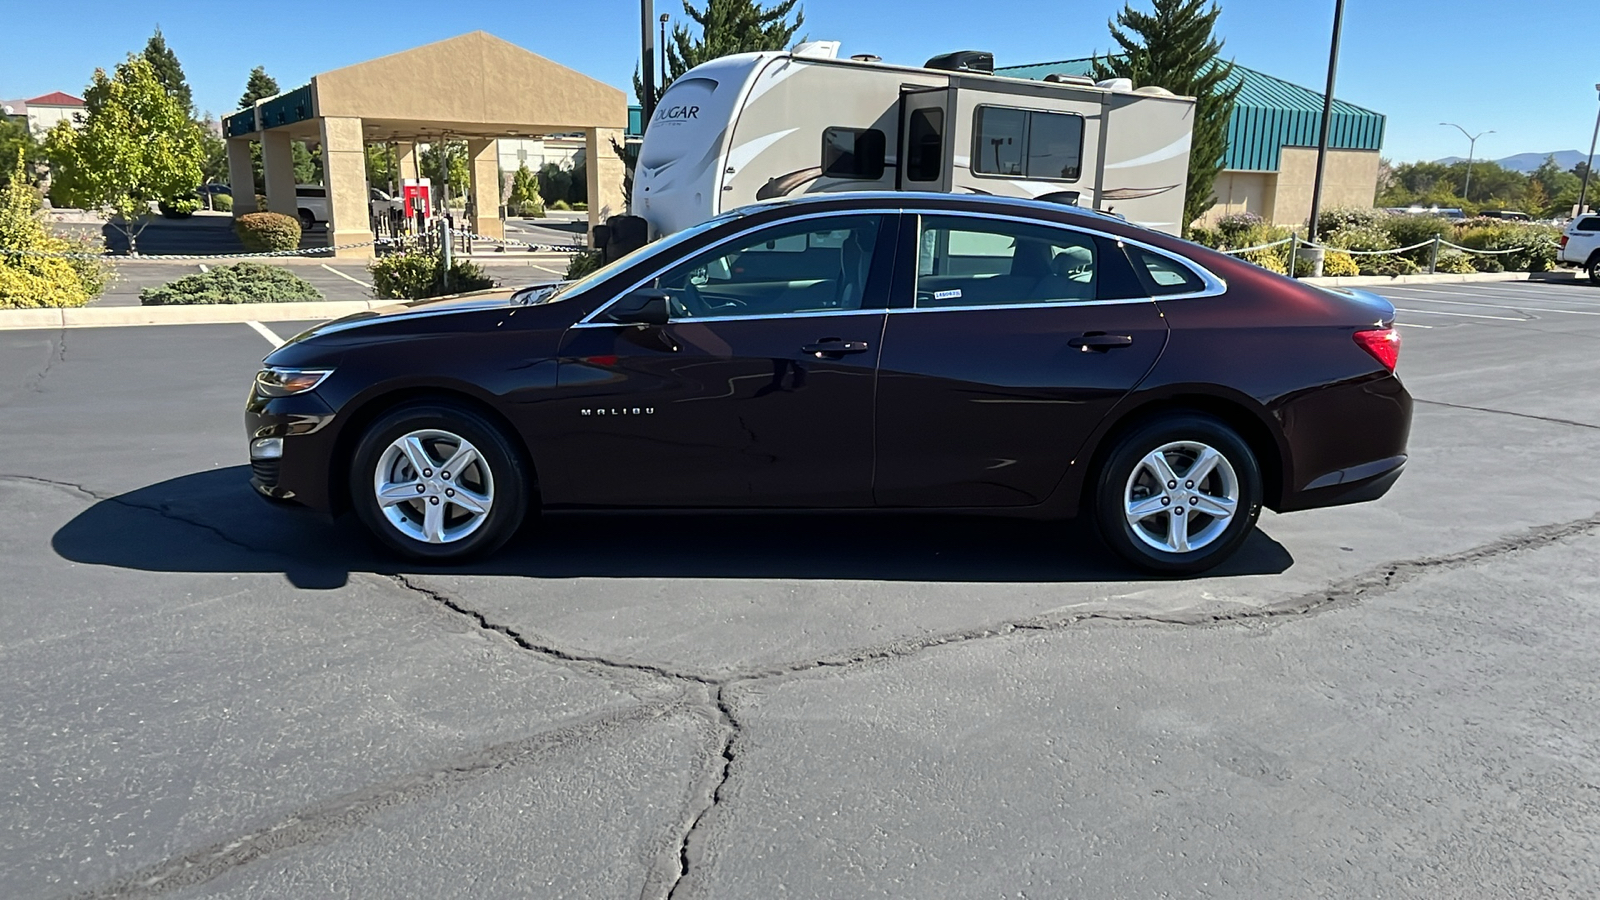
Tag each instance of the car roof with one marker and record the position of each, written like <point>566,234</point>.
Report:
<point>938,200</point>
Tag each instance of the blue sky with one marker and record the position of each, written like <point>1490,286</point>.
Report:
<point>1487,64</point>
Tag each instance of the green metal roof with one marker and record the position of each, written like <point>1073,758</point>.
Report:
<point>1270,114</point>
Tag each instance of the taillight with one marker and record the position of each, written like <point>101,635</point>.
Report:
<point>1382,343</point>
<point>1564,241</point>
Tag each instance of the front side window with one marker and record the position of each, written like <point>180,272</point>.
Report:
<point>853,153</point>
<point>975,262</point>
<point>816,265</point>
<point>1020,143</point>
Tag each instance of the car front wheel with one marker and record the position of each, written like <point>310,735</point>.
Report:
<point>1594,269</point>
<point>438,482</point>
<point>1178,495</point>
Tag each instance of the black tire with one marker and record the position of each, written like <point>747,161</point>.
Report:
<point>1594,269</point>
<point>1113,492</point>
<point>509,480</point>
<point>307,220</point>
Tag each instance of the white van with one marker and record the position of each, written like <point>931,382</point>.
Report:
<point>757,126</point>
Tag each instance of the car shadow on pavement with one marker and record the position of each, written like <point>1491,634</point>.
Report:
<point>213,522</point>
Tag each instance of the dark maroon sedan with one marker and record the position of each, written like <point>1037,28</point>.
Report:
<point>853,352</point>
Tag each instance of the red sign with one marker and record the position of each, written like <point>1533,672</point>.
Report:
<point>418,196</point>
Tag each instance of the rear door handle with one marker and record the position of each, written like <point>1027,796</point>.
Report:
<point>1100,341</point>
<point>833,348</point>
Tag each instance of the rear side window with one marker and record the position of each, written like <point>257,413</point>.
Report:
<point>311,192</point>
<point>853,153</point>
<point>925,144</point>
<point>1162,275</point>
<point>966,262</point>
<point>1591,223</point>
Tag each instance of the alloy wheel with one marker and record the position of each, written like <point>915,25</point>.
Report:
<point>433,486</point>
<point>1181,496</point>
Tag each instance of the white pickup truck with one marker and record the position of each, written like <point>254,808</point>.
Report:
<point>1580,246</point>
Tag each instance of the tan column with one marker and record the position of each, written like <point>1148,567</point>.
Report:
<point>605,175</point>
<point>241,176</point>
<point>344,173</point>
<point>483,163</point>
<point>405,163</point>
<point>277,164</point>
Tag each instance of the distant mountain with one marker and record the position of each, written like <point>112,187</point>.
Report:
<point>1527,162</point>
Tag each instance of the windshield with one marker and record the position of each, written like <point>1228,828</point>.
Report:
<point>572,288</point>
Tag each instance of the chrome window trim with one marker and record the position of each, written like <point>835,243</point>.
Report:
<point>1214,286</point>
<point>1059,304</point>
<point>807,314</point>
<point>589,319</point>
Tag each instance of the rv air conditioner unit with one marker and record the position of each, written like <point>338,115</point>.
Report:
<point>963,61</point>
<point>1058,78</point>
<point>1116,84</point>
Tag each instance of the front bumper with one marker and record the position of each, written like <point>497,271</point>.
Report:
<point>299,473</point>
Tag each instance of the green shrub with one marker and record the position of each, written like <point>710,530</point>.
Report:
<point>181,208</point>
<point>1339,263</point>
<point>1406,230</point>
<point>1454,262</point>
<point>582,263</point>
<point>1538,244</point>
<point>28,279</point>
<point>1366,238</point>
<point>1387,265</point>
<point>245,282</point>
<point>561,205</point>
<point>1205,237</point>
<point>581,206</point>
<point>262,232</point>
<point>1338,218</point>
<point>1234,228</point>
<point>529,209</point>
<point>414,275</point>
<point>222,202</point>
<point>1269,259</point>
<point>1488,264</point>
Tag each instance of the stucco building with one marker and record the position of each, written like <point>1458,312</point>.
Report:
<point>42,113</point>
<point>1271,160</point>
<point>475,88</point>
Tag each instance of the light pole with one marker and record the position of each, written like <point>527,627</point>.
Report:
<point>647,60</point>
<point>1327,123</point>
<point>1472,145</point>
<point>663,48</point>
<point>1583,193</point>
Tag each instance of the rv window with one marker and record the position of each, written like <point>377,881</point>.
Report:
<point>1019,143</point>
<point>973,262</point>
<point>854,153</point>
<point>925,145</point>
<point>1055,146</point>
<point>1002,136</point>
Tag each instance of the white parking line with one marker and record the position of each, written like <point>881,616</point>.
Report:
<point>204,267</point>
<point>266,332</point>
<point>543,269</point>
<point>1411,325</point>
<point>344,276</point>
<point>1440,312</point>
<point>1508,304</point>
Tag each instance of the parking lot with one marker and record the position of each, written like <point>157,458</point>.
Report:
<point>205,695</point>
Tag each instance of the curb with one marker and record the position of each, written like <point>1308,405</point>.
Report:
<point>220,314</point>
<point>1360,280</point>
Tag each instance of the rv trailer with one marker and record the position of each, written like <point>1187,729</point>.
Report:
<point>760,126</point>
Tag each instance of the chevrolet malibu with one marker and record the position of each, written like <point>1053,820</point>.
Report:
<point>852,352</point>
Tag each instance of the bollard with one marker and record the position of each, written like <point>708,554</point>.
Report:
<point>444,249</point>
<point>1433,256</point>
<point>1294,252</point>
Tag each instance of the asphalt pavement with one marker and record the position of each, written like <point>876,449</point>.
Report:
<point>208,696</point>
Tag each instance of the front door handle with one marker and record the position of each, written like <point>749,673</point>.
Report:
<point>834,348</point>
<point>1099,341</point>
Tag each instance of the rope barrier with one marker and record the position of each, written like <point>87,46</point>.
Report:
<point>1484,252</point>
<point>1257,247</point>
<point>304,251</point>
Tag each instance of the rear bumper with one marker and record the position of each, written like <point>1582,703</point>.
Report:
<point>1357,484</point>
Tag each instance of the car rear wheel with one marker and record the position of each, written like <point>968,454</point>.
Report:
<point>438,482</point>
<point>1178,495</point>
<point>307,220</point>
<point>1594,269</point>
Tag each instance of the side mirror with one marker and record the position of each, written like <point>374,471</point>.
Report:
<point>643,307</point>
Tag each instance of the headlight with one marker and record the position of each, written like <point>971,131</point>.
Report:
<point>275,381</point>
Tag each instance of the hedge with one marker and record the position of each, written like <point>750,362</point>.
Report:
<point>263,232</point>
<point>417,276</point>
<point>245,282</point>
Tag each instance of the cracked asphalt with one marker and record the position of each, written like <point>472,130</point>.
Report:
<point>205,696</point>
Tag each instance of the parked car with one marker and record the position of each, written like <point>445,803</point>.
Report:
<point>1580,245</point>
<point>311,201</point>
<point>881,351</point>
<point>1509,215</point>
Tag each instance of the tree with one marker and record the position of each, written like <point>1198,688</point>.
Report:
<point>726,27</point>
<point>137,144</point>
<point>17,141</point>
<point>1175,48</point>
<point>447,156</point>
<point>259,86</point>
<point>168,71</point>
<point>525,199</point>
<point>214,169</point>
